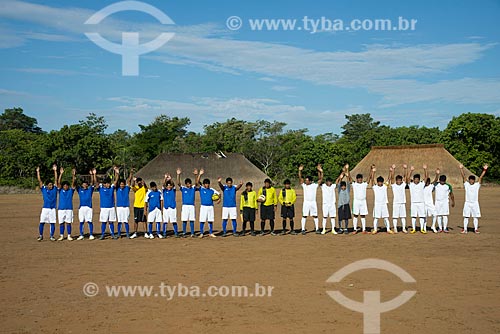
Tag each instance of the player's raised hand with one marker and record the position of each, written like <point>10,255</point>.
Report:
<point>319,168</point>
<point>393,166</point>
<point>424,166</point>
<point>61,170</point>
<point>116,169</point>
<point>301,167</point>
<point>202,171</point>
<point>485,167</point>
<point>219,179</point>
<point>166,176</point>
<point>438,171</point>
<point>73,171</point>
<point>54,167</point>
<point>94,171</point>
<point>38,169</point>
<point>412,168</point>
<point>179,171</point>
<point>346,166</point>
<point>374,169</point>
<point>461,166</point>
<point>405,166</point>
<point>195,171</point>
<point>241,182</point>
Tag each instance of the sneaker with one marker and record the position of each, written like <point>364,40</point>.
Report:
<point>133,236</point>
<point>40,238</point>
<point>151,236</point>
<point>423,231</point>
<point>335,232</point>
<point>91,237</point>
<point>446,231</point>
<point>212,235</point>
<point>464,232</point>
<point>52,239</point>
<point>272,233</point>
<point>434,230</point>
<point>413,231</point>
<point>292,232</point>
<point>80,238</point>
<point>176,235</point>
<point>323,231</point>
<point>283,232</point>
<point>353,232</point>
<point>476,231</point>
<point>253,234</point>
<point>61,238</point>
<point>389,231</point>
<point>224,234</point>
<point>374,231</point>
<point>262,233</point>
<point>200,236</point>
<point>235,234</point>
<point>115,237</point>
<point>146,235</point>
<point>303,232</point>
<point>70,238</point>
<point>160,236</point>
<point>404,231</point>
<point>396,230</point>
<point>341,231</point>
<point>102,237</point>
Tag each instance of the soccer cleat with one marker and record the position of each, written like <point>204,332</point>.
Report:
<point>146,235</point>
<point>464,232</point>
<point>404,231</point>
<point>389,231</point>
<point>253,234</point>
<point>235,234</point>
<point>440,231</point>
<point>293,232</point>
<point>200,236</point>
<point>213,235</point>
<point>70,238</point>
<point>224,234</point>
<point>364,232</point>
<point>333,230</point>
<point>61,238</point>
<point>413,231</point>
<point>40,238</point>
<point>476,231</point>
<point>423,231</point>
<point>317,231</point>
<point>192,235</point>
<point>353,232</point>
<point>165,235</point>
<point>102,237</point>
<point>52,239</point>
<point>160,236</point>
<point>323,231</point>
<point>262,233</point>
<point>446,231</point>
<point>176,235</point>
<point>115,237</point>
<point>341,231</point>
<point>91,237</point>
<point>374,232</point>
<point>151,236</point>
<point>272,233</point>
<point>80,237</point>
<point>133,236</point>
<point>434,230</point>
<point>303,232</point>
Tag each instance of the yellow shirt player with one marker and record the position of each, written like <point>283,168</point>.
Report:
<point>268,206</point>
<point>140,189</point>
<point>287,198</point>
<point>248,207</point>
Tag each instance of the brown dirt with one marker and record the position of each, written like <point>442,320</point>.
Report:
<point>458,285</point>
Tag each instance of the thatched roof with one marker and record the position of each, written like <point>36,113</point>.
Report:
<point>434,155</point>
<point>233,165</point>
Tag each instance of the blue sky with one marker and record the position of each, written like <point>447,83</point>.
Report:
<point>450,64</point>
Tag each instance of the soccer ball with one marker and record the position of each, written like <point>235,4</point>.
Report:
<point>261,198</point>
<point>215,197</point>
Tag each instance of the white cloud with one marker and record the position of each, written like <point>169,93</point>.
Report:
<point>280,88</point>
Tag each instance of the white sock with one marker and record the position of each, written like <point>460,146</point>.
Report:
<point>414,222</point>
<point>423,226</point>
<point>403,223</point>
<point>395,223</point>
<point>445,222</point>
<point>316,223</point>
<point>466,222</point>
<point>375,222</point>
<point>476,223</point>
<point>363,223</point>
<point>387,224</point>
<point>433,222</point>
<point>355,222</point>
<point>324,223</point>
<point>303,223</point>
<point>333,223</point>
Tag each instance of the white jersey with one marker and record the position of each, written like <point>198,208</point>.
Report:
<point>442,192</point>
<point>380,193</point>
<point>472,192</point>
<point>417,192</point>
<point>310,192</point>
<point>328,194</point>
<point>359,190</point>
<point>428,194</point>
<point>399,192</point>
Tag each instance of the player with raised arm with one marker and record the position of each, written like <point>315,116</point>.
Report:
<point>359,205</point>
<point>65,209</point>
<point>380,209</point>
<point>207,197</point>
<point>430,208</point>
<point>123,202</point>
<point>229,204</point>
<point>85,212</point>
<point>309,206</point>
<point>107,205</point>
<point>329,207</point>
<point>140,189</point>
<point>187,210</point>
<point>444,194</point>
<point>399,197</point>
<point>417,208</point>
<point>471,204</point>
<point>169,206</point>
<point>49,194</point>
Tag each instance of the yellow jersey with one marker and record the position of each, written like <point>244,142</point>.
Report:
<point>289,198</point>
<point>250,202</point>
<point>271,198</point>
<point>140,196</point>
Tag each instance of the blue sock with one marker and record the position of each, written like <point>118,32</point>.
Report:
<point>68,227</point>
<point>112,229</point>
<point>158,228</point>
<point>184,224</point>
<point>61,229</point>
<point>91,228</point>
<point>210,228</point>
<point>150,228</point>
<point>235,225</point>
<point>82,224</point>
<point>127,229</point>
<point>175,227</point>
<point>202,227</point>
<point>52,229</point>
<point>40,228</point>
<point>103,228</point>
<point>191,227</point>
<point>224,225</point>
<point>164,228</point>
<point>119,228</point>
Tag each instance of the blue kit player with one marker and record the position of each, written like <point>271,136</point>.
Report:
<point>65,209</point>
<point>229,204</point>
<point>187,210</point>
<point>207,197</point>
<point>123,203</point>
<point>49,194</point>
<point>85,213</point>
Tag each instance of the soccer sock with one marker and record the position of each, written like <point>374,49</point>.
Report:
<point>91,228</point>
<point>316,223</point>
<point>387,224</point>
<point>284,224</point>
<point>466,222</point>
<point>158,228</point>
<point>333,222</point>
<point>202,228</point>
<point>403,223</point>
<point>375,222</point>
<point>422,224</point>
<point>395,224</point>
<point>445,222</point>
<point>440,225</point>
<point>127,229</point>
<point>82,224</point>
<point>262,226</point>
<point>175,228</point>
<point>112,229</point>
<point>414,223</point>
<point>252,226</point>
<point>324,223</point>
<point>303,223</point>
<point>363,223</point>
<point>355,223</point>
<point>210,228</point>
<point>235,225</point>
<point>434,219</point>
<point>224,225</point>
<point>150,228</point>
<point>119,228</point>
<point>292,224</point>
<point>40,228</point>
<point>61,229</point>
<point>271,223</point>
<point>476,223</point>
<point>184,226</point>
<point>68,227</point>
<point>191,226</point>
<point>103,228</point>
<point>164,229</point>
<point>346,224</point>
<point>52,229</point>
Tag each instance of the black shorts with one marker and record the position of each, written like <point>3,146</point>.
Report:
<point>248,214</point>
<point>344,212</point>
<point>266,212</point>
<point>139,215</point>
<point>287,211</point>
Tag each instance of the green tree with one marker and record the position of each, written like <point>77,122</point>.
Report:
<point>15,119</point>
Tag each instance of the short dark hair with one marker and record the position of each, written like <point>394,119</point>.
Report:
<point>380,179</point>
<point>359,176</point>
<point>329,179</point>
<point>188,180</point>
<point>169,182</point>
<point>206,181</point>
<point>343,184</point>
<point>442,178</point>
<point>65,183</point>
<point>309,177</point>
<point>268,181</point>
<point>107,180</point>
<point>122,181</point>
<point>287,181</point>
<point>249,184</point>
<point>399,177</point>
<point>82,181</point>
<point>416,176</point>
<point>152,184</point>
<point>472,177</point>
<point>138,179</point>
<point>229,179</point>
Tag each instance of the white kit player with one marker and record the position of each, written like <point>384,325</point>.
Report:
<point>399,197</point>
<point>443,193</point>
<point>417,208</point>
<point>380,209</point>
<point>471,205</point>
<point>329,207</point>
<point>309,207</point>
<point>359,206</point>
<point>430,208</point>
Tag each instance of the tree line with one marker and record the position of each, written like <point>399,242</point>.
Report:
<point>473,138</point>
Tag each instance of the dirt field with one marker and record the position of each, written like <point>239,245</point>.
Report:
<point>458,279</point>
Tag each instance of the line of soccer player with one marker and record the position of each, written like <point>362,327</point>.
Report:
<point>152,205</point>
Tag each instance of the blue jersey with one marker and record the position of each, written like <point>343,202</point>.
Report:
<point>107,197</point>
<point>153,198</point>
<point>188,195</point>
<point>49,197</point>
<point>169,198</point>
<point>85,196</point>
<point>229,198</point>
<point>206,196</point>
<point>66,199</point>
<point>122,197</point>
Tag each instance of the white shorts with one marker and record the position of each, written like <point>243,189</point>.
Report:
<point>442,208</point>
<point>398,210</point>
<point>206,214</point>
<point>228,213</point>
<point>329,210</point>
<point>471,209</point>
<point>380,211</point>
<point>123,214</point>
<point>107,215</point>
<point>430,209</point>
<point>85,214</point>
<point>48,216</point>
<point>309,208</point>
<point>359,207</point>
<point>169,215</point>
<point>155,216</point>
<point>417,209</point>
<point>187,213</point>
<point>65,216</point>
